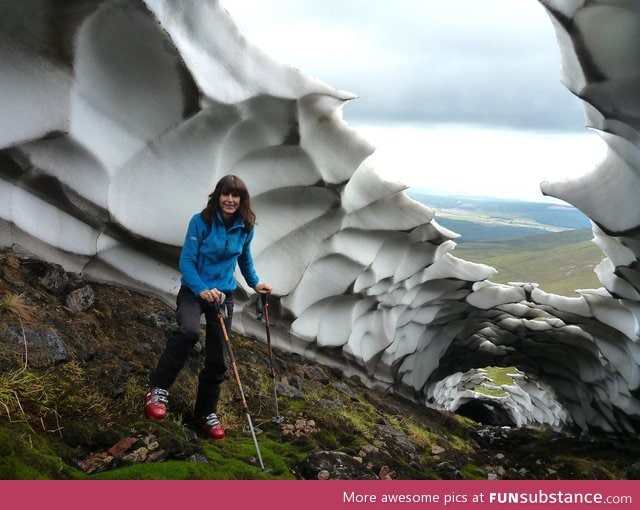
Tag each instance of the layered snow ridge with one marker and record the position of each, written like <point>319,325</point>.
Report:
<point>118,117</point>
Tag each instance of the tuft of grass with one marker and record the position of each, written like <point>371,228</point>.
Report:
<point>76,397</point>
<point>16,306</point>
<point>24,394</point>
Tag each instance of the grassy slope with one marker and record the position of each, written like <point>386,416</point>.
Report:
<point>521,239</point>
<point>560,262</point>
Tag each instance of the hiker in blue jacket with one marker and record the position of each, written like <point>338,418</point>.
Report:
<point>217,239</point>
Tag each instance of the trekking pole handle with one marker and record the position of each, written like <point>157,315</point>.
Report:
<point>218,306</point>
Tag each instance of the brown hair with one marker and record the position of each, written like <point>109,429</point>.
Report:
<point>230,184</point>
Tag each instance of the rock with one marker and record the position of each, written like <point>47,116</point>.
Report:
<point>300,427</point>
<point>315,373</point>
<point>151,442</point>
<point>437,450</point>
<point>632,472</point>
<point>55,279</point>
<point>81,299</point>
<point>43,348</point>
<point>368,449</point>
<point>346,391</point>
<point>289,391</point>
<point>96,463</point>
<point>163,319</point>
<point>157,456</point>
<point>386,473</point>
<point>137,456</point>
<point>397,441</point>
<point>11,270</point>
<point>448,471</point>
<point>294,381</point>
<point>338,465</point>
<point>118,449</point>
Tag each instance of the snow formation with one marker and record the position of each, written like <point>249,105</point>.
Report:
<point>119,116</point>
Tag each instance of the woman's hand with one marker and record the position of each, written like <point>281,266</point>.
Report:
<point>263,288</point>
<point>213,295</point>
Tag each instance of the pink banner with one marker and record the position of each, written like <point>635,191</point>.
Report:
<point>320,495</point>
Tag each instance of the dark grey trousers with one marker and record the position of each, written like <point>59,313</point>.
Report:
<point>188,312</point>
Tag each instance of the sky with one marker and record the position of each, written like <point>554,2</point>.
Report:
<point>459,96</point>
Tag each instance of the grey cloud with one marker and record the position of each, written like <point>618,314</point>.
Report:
<point>454,61</point>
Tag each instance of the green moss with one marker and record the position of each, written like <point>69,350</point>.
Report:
<point>464,421</point>
<point>473,472</point>
<point>419,435</point>
<point>89,434</point>
<point>584,468</point>
<point>7,448</point>
<point>296,406</point>
<point>361,417</point>
<point>461,445</point>
<point>501,375</point>
<point>356,442</point>
<point>169,470</point>
<point>29,456</point>
<point>237,454</point>
<point>326,439</point>
<point>232,459</point>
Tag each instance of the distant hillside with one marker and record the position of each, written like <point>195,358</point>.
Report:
<point>545,243</point>
<point>560,262</point>
<point>478,219</point>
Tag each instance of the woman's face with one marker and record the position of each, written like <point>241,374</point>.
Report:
<point>229,203</point>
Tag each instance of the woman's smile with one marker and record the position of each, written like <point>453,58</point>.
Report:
<point>229,204</point>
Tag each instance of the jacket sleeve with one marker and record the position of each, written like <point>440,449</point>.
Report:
<point>245,262</point>
<point>189,256</point>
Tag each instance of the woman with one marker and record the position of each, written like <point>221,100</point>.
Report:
<point>217,239</point>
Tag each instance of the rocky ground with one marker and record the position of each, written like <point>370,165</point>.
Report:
<point>75,356</point>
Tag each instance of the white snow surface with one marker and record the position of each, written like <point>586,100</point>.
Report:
<point>118,121</point>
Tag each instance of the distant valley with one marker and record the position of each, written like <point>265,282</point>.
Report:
<point>482,219</point>
<point>537,242</point>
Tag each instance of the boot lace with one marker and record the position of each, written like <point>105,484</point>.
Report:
<point>158,396</point>
<point>212,421</point>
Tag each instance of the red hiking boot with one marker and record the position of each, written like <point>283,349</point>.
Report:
<point>212,427</point>
<point>157,403</point>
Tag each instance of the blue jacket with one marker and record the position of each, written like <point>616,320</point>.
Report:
<point>210,253</point>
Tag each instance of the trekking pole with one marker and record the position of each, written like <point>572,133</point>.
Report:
<point>265,310</point>
<point>234,367</point>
